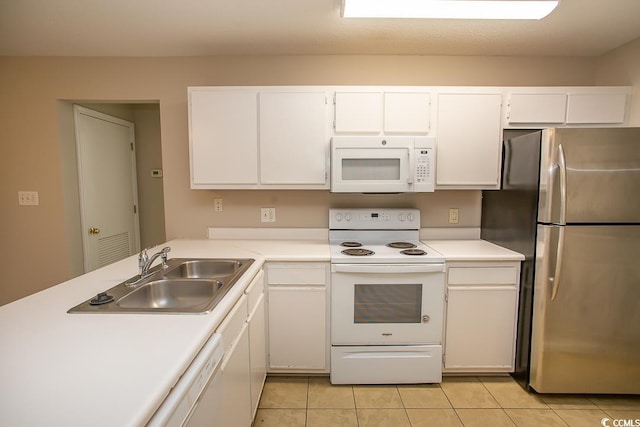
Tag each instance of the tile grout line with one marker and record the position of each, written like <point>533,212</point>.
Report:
<point>306,409</point>
<point>451,403</point>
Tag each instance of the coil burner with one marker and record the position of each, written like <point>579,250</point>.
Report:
<point>358,252</point>
<point>401,245</point>
<point>351,244</point>
<point>413,252</point>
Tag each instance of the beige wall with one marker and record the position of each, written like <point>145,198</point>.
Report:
<point>622,67</point>
<point>34,243</point>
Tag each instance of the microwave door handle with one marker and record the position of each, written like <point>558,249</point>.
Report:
<point>411,177</point>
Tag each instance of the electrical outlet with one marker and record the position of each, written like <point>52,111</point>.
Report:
<point>217,205</point>
<point>28,198</point>
<point>268,214</point>
<point>453,216</point>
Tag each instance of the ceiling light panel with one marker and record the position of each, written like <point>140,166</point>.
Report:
<point>448,9</point>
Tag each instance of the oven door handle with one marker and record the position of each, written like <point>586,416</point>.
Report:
<point>387,268</point>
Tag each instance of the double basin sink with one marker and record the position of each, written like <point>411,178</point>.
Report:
<point>186,285</point>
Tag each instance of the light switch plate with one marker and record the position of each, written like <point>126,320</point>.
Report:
<point>28,198</point>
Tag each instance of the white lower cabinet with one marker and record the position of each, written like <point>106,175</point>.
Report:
<point>257,352</point>
<point>234,371</point>
<point>481,317</point>
<point>243,368</point>
<point>235,383</point>
<point>297,313</point>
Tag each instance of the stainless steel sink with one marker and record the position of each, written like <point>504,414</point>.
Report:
<point>187,285</point>
<point>205,268</point>
<point>171,294</point>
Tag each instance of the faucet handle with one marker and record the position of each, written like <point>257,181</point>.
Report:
<point>164,252</point>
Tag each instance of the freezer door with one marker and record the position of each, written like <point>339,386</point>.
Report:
<point>585,336</point>
<point>590,176</point>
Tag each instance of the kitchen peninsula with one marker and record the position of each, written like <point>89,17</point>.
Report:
<point>116,369</point>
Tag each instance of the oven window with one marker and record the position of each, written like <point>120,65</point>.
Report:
<point>370,169</point>
<point>388,303</point>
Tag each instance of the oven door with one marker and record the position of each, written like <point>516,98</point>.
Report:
<point>387,304</point>
<point>371,170</point>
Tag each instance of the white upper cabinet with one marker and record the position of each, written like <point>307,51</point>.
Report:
<point>223,130</point>
<point>537,107</point>
<point>382,112</point>
<point>585,108</point>
<point>293,138</point>
<point>278,137</point>
<point>469,140</point>
<point>566,106</point>
<point>257,138</point>
<point>358,112</point>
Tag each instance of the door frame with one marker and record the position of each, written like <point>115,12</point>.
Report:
<point>77,111</point>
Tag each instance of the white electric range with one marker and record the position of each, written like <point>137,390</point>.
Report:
<point>387,299</point>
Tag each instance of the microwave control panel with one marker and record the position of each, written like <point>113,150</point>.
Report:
<point>423,164</point>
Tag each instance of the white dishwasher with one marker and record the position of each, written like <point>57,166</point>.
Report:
<point>195,401</point>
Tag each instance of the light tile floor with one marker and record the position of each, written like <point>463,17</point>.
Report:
<point>458,401</point>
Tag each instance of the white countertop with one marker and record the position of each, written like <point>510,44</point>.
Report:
<point>473,250</point>
<point>60,369</point>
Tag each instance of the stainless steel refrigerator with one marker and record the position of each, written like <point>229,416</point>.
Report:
<point>570,202</point>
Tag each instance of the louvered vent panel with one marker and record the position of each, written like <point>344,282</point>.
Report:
<point>113,248</point>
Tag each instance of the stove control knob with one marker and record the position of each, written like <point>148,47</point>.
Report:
<point>338,217</point>
<point>425,319</point>
<point>347,217</point>
<point>410,217</point>
<point>401,217</point>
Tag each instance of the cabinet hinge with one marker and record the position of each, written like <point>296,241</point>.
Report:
<point>131,144</point>
<point>135,209</point>
<point>444,359</point>
<point>446,296</point>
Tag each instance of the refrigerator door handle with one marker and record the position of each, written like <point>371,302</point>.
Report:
<point>562,166</point>
<point>555,283</point>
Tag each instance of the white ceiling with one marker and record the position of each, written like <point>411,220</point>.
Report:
<point>214,27</point>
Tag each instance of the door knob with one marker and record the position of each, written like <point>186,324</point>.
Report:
<point>94,230</point>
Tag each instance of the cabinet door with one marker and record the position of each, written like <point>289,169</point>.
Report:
<point>293,138</point>
<point>407,112</point>
<point>223,132</point>
<point>537,108</point>
<point>596,108</point>
<point>358,112</point>
<point>297,328</point>
<point>257,352</point>
<point>235,380</point>
<point>469,140</point>
<point>480,329</point>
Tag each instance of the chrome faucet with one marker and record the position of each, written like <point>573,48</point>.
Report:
<point>144,261</point>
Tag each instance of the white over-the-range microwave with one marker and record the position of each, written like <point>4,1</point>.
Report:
<point>382,164</point>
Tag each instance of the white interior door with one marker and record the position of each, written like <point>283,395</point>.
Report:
<point>108,188</point>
